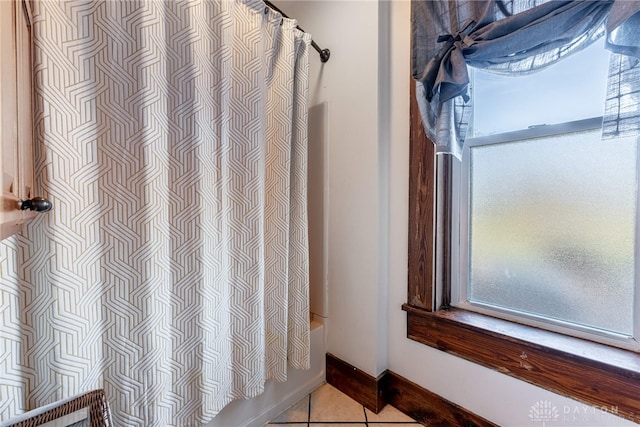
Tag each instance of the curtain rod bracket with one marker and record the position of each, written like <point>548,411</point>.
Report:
<point>325,54</point>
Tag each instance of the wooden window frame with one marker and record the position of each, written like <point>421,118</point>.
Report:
<point>602,376</point>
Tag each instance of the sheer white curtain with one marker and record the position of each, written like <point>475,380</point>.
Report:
<point>173,270</point>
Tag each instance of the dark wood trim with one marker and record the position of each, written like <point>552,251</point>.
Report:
<point>417,402</point>
<point>425,406</point>
<point>596,374</point>
<point>421,212</point>
<point>360,386</point>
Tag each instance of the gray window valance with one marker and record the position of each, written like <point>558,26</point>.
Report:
<point>517,37</point>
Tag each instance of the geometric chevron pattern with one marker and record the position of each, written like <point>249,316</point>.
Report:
<point>173,270</point>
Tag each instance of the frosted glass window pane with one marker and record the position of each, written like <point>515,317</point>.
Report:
<point>552,228</point>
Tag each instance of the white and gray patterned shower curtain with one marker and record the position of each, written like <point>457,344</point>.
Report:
<point>173,270</point>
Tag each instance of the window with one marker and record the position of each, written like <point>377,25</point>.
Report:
<point>557,94</point>
<point>599,370</point>
<point>547,208</point>
<point>550,232</point>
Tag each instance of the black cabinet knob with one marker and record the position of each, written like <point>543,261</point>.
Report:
<point>38,204</point>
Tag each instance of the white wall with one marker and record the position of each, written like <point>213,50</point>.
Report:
<point>366,86</point>
<point>348,83</point>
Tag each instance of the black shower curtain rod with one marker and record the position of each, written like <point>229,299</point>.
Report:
<point>324,53</point>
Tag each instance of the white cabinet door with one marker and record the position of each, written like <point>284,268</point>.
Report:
<point>16,124</point>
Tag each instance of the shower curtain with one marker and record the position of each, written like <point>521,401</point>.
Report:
<point>173,269</point>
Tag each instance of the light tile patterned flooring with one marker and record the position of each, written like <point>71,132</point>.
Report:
<point>327,406</point>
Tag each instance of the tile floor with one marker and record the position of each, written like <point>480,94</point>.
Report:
<point>327,406</point>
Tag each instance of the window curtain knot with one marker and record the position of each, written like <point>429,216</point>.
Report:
<point>445,75</point>
<point>461,38</point>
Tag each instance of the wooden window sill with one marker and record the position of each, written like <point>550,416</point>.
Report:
<point>596,374</point>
